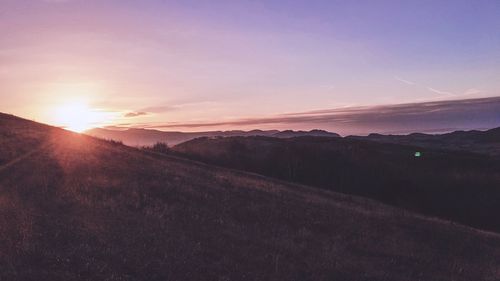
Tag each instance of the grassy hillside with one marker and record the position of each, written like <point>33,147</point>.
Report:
<point>457,185</point>
<point>77,208</point>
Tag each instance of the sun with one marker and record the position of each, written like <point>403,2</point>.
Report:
<point>76,116</point>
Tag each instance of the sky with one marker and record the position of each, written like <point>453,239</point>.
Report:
<point>204,65</point>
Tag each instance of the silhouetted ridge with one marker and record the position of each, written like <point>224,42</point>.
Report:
<point>147,137</point>
<point>484,142</point>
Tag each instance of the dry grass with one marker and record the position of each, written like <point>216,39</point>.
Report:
<point>86,209</point>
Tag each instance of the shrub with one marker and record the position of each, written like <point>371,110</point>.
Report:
<point>160,147</point>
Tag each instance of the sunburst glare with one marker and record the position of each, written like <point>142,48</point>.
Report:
<point>77,116</point>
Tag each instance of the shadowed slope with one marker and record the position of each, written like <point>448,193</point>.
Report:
<point>84,209</point>
<point>457,185</point>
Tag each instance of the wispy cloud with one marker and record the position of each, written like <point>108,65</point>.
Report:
<point>424,116</point>
<point>149,110</point>
<point>135,114</point>
<point>443,93</point>
<point>404,80</point>
<point>472,91</point>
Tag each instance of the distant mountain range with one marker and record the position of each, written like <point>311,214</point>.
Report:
<point>484,142</point>
<point>146,137</point>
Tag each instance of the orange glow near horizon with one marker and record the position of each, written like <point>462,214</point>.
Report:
<point>77,116</point>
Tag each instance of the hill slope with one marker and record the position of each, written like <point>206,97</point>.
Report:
<point>456,185</point>
<point>484,142</point>
<point>76,208</point>
<point>147,137</point>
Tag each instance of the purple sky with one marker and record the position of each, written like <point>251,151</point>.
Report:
<point>217,62</point>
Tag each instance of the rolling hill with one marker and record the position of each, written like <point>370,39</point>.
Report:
<point>453,184</point>
<point>484,142</point>
<point>147,137</point>
<point>73,207</point>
